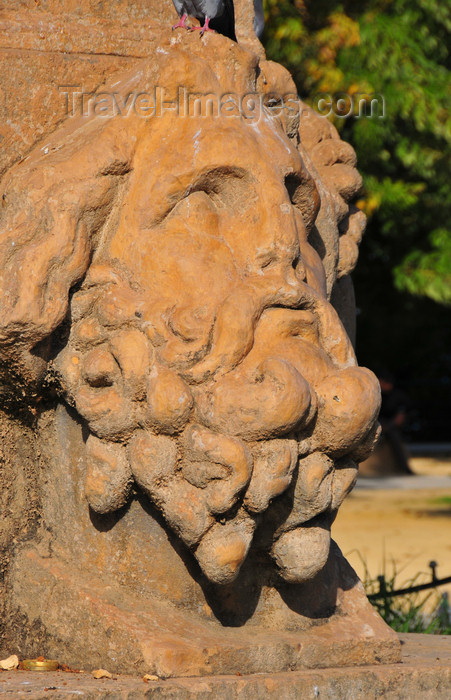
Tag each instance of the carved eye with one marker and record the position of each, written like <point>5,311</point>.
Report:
<point>227,187</point>
<point>267,260</point>
<point>304,196</point>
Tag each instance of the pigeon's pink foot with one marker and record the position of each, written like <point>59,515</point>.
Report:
<point>181,23</point>
<point>205,28</point>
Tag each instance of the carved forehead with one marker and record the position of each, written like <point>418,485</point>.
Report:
<point>171,67</point>
<point>201,142</point>
<point>176,153</point>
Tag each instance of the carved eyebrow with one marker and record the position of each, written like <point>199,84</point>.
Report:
<point>117,166</point>
<point>227,186</point>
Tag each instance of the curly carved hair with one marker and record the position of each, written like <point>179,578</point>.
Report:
<point>51,222</point>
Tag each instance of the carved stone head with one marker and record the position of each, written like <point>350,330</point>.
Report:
<point>170,279</point>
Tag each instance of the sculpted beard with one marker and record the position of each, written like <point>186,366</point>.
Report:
<point>220,440</point>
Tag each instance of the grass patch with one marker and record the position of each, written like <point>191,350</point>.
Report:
<point>440,501</point>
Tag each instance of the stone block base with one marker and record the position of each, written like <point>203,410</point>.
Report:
<point>116,630</point>
<point>424,672</point>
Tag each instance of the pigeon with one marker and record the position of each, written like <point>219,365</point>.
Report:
<point>219,12</point>
<point>205,11</point>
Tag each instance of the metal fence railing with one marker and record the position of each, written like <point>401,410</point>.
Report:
<point>385,592</point>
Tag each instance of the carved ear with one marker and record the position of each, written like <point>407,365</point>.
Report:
<point>53,206</point>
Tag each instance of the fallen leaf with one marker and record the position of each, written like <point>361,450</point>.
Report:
<point>10,663</point>
<point>68,669</point>
<point>101,673</point>
<point>150,677</point>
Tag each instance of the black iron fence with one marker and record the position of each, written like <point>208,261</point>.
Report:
<point>385,592</point>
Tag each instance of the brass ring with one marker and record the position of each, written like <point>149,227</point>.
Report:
<point>35,665</point>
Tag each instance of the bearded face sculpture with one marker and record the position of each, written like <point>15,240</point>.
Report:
<point>205,358</point>
<point>169,280</point>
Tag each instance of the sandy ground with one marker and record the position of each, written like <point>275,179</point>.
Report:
<point>400,530</point>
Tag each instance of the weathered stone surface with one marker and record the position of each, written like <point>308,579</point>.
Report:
<point>182,406</point>
<point>424,673</point>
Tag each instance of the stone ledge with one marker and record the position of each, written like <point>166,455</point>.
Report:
<point>424,672</point>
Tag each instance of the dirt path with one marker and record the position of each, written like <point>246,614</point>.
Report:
<point>406,529</point>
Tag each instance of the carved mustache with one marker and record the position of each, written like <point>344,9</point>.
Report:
<point>238,316</point>
<point>300,366</point>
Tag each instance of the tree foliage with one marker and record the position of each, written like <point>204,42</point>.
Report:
<point>398,49</point>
